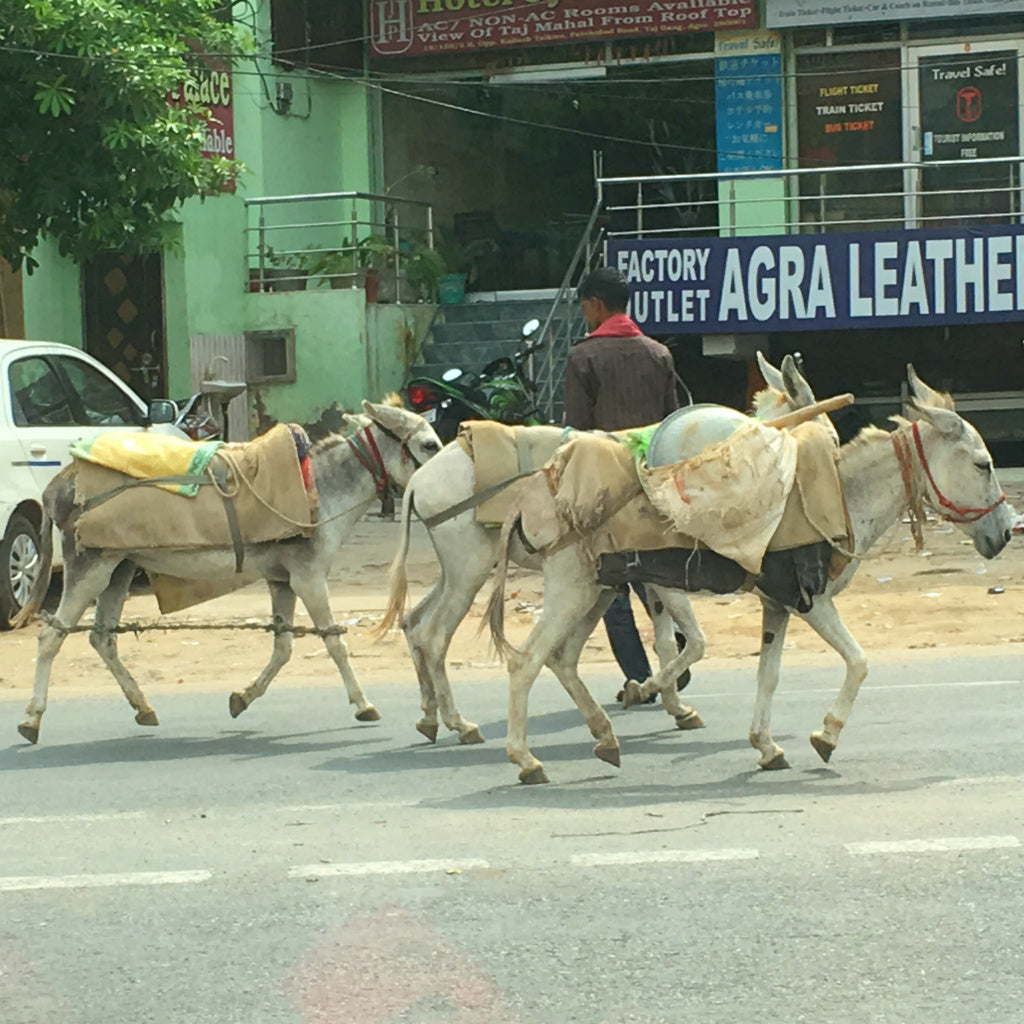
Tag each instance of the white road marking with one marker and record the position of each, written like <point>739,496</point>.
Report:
<point>62,819</point>
<point>14,883</point>
<point>387,867</point>
<point>934,845</point>
<point>794,693</point>
<point>595,860</point>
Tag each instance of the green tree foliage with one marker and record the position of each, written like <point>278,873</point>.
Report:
<point>92,152</point>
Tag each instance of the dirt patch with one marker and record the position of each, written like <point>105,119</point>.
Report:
<point>944,597</point>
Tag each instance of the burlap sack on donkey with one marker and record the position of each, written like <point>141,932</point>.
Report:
<point>262,476</point>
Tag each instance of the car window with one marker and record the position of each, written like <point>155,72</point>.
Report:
<point>104,402</point>
<point>38,397</point>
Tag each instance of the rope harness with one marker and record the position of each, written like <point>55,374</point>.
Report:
<point>277,626</point>
<point>946,509</point>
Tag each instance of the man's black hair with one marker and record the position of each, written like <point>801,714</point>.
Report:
<point>608,285</point>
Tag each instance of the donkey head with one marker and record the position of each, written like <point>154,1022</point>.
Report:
<point>405,439</point>
<point>960,480</point>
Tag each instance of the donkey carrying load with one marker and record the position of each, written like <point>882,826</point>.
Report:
<point>348,474</point>
<point>936,459</point>
<point>445,495</point>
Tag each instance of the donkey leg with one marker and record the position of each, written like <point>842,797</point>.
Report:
<point>564,662</point>
<point>774,619</point>
<point>825,621</point>
<point>675,607</point>
<point>316,598</point>
<point>568,596</point>
<point>85,576</point>
<point>282,607</point>
<point>108,614</point>
<point>432,623</point>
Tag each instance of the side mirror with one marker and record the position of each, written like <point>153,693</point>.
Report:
<point>162,410</point>
<point>530,327</point>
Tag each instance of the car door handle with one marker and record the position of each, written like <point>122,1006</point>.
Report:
<point>37,449</point>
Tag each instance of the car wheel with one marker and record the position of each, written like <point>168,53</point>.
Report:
<point>20,566</point>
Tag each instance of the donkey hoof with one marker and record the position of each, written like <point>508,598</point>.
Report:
<point>428,729</point>
<point>471,735</point>
<point>533,776</point>
<point>777,763</point>
<point>368,714</point>
<point>823,746</point>
<point>29,731</point>
<point>237,704</point>
<point>689,719</point>
<point>609,754</point>
<point>631,694</point>
<point>147,717</point>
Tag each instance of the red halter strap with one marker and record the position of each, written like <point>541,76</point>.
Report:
<point>949,509</point>
<point>366,451</point>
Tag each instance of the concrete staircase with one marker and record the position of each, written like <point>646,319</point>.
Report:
<point>472,333</point>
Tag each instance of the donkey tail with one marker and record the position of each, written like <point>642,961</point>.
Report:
<point>34,605</point>
<point>494,615</point>
<point>398,581</point>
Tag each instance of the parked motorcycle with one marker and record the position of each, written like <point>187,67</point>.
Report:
<point>503,390</point>
<point>195,418</point>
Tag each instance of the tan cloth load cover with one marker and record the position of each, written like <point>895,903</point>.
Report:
<point>732,495</point>
<point>173,593</point>
<point>500,451</point>
<point>590,491</point>
<point>269,502</point>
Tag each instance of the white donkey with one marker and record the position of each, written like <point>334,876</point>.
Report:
<point>349,476</point>
<point>468,551</point>
<point>938,459</point>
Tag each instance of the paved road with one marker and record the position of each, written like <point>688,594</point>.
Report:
<point>293,866</point>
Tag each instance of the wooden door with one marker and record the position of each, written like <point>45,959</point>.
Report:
<point>124,320</point>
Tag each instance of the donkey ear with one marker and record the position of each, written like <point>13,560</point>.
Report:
<point>923,393</point>
<point>796,385</point>
<point>388,416</point>
<point>771,375</point>
<point>946,421</point>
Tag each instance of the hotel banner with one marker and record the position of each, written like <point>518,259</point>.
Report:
<point>824,282</point>
<point>410,27</point>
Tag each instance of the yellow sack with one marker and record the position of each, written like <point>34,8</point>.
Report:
<point>144,455</point>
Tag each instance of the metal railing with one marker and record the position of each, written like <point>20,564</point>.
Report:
<point>564,322</point>
<point>334,237</point>
<point>912,194</point>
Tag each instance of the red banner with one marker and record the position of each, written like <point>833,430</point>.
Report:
<point>408,27</point>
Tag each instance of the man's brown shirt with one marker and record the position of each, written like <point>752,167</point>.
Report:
<point>616,383</point>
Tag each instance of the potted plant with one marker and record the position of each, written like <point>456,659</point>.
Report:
<point>425,269</point>
<point>288,271</point>
<point>340,267</point>
<point>460,260</point>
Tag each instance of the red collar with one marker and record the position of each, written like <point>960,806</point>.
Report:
<point>618,325</point>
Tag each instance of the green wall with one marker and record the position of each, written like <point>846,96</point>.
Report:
<point>321,144</point>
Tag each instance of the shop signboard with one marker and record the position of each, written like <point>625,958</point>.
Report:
<point>848,108</point>
<point>969,106</point>
<point>803,13</point>
<point>913,278</point>
<point>748,101</point>
<point>210,86</point>
<point>411,27</point>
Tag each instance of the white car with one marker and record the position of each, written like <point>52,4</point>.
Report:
<point>51,395</point>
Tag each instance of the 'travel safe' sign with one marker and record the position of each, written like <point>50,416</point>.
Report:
<point>969,106</point>
<point>408,27</point>
<point>823,282</point>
